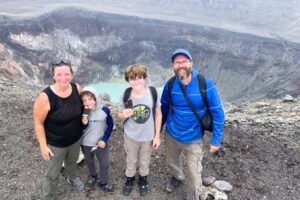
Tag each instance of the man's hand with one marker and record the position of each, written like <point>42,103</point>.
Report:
<point>46,153</point>
<point>213,149</point>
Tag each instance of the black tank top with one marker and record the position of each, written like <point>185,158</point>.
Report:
<point>63,122</point>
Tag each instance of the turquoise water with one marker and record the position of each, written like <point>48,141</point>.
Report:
<point>114,89</point>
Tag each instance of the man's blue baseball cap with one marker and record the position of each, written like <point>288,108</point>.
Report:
<point>181,52</point>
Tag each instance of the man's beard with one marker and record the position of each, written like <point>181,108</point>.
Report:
<point>181,75</point>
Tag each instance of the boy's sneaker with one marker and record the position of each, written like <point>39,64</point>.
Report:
<point>173,184</point>
<point>127,188</point>
<point>90,182</point>
<point>76,183</point>
<point>143,185</point>
<point>107,187</point>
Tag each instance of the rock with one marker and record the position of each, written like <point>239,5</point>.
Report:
<point>105,98</point>
<point>261,104</point>
<point>220,195</point>
<point>207,181</point>
<point>209,193</point>
<point>288,98</point>
<point>222,185</point>
<point>210,197</point>
<point>258,121</point>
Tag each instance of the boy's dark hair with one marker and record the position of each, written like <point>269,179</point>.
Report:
<point>135,71</point>
<point>87,93</point>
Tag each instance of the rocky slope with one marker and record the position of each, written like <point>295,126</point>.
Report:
<point>101,45</point>
<point>261,153</point>
<point>269,18</point>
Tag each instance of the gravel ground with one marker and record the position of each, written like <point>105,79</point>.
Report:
<point>258,165</point>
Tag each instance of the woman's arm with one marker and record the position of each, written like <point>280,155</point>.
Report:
<point>41,108</point>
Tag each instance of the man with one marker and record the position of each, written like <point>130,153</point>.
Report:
<point>183,130</point>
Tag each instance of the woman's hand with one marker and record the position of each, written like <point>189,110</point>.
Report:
<point>46,152</point>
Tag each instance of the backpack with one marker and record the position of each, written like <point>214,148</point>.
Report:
<point>206,121</point>
<point>153,92</point>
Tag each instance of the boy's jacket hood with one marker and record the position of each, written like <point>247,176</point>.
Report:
<point>94,91</point>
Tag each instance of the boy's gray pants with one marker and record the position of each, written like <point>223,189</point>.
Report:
<point>103,159</point>
<point>138,155</point>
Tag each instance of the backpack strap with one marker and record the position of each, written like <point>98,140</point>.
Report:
<point>127,94</point>
<point>154,99</point>
<point>202,88</point>
<point>153,92</point>
<point>170,86</point>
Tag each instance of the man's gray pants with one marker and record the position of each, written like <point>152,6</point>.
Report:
<point>175,151</point>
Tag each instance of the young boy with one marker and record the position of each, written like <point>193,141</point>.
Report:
<point>141,128</point>
<point>98,125</point>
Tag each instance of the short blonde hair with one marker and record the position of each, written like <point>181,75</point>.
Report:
<point>134,71</point>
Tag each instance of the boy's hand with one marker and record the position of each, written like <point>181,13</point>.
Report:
<point>127,112</point>
<point>101,144</point>
<point>156,142</point>
<point>85,120</point>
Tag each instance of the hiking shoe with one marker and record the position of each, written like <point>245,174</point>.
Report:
<point>90,182</point>
<point>107,187</point>
<point>173,184</point>
<point>76,183</point>
<point>143,185</point>
<point>127,188</point>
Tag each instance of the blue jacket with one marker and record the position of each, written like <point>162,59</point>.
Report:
<point>182,125</point>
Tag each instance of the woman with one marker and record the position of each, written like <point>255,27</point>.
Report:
<point>57,123</point>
